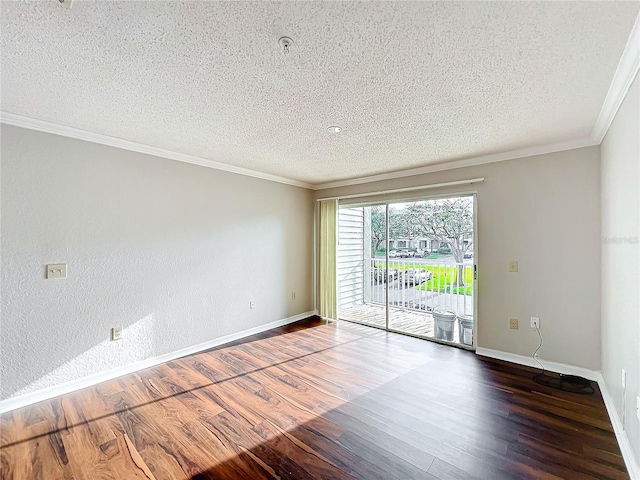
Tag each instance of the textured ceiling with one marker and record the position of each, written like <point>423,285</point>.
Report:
<point>410,83</point>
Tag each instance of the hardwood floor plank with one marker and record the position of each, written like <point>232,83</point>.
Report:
<point>444,471</point>
<point>316,400</point>
<point>388,464</point>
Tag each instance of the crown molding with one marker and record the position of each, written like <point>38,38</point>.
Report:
<point>623,78</point>
<point>467,162</point>
<point>71,132</point>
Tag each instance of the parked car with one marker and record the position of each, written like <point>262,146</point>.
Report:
<point>415,276</point>
<point>468,254</point>
<point>406,254</point>
<point>393,253</point>
<point>377,275</point>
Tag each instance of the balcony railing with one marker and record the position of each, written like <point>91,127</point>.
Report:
<point>419,284</point>
<point>417,287</point>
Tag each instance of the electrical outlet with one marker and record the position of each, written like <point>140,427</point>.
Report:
<point>252,305</point>
<point>116,333</point>
<point>513,265</point>
<point>293,295</point>
<point>58,270</point>
<point>535,322</point>
<point>624,378</point>
<point>513,323</point>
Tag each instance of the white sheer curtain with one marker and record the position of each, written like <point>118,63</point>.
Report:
<point>328,305</point>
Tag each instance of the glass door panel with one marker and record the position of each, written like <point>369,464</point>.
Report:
<point>433,294</point>
<point>361,258</point>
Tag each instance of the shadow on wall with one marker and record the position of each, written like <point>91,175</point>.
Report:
<point>142,236</point>
<point>205,300</point>
<point>138,343</point>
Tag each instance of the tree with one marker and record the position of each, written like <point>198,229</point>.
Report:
<point>403,225</point>
<point>448,220</point>
<point>400,226</point>
<point>378,228</point>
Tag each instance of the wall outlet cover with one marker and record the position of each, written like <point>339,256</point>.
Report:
<point>513,323</point>
<point>513,265</point>
<point>116,333</point>
<point>57,270</point>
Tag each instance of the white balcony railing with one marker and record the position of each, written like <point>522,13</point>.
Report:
<point>420,284</point>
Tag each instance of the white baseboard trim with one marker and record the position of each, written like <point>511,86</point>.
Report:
<point>563,368</point>
<point>630,459</point>
<point>73,385</point>
<point>628,454</point>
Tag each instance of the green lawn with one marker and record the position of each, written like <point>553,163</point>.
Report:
<point>443,277</point>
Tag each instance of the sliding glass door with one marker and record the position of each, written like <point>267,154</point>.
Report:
<point>409,267</point>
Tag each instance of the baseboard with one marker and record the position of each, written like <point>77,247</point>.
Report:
<point>73,385</point>
<point>556,367</point>
<point>630,459</point>
<point>628,455</point>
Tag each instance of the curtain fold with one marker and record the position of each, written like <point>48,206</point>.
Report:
<point>328,305</point>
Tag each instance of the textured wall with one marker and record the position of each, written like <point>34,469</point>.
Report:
<point>621,260</point>
<point>543,211</point>
<point>173,252</point>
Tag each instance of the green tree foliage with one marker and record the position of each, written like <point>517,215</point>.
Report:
<point>378,228</point>
<point>448,220</point>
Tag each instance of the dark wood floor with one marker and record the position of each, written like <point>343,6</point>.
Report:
<point>316,401</point>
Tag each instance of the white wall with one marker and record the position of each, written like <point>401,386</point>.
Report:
<point>171,251</point>
<point>544,212</point>
<point>621,260</point>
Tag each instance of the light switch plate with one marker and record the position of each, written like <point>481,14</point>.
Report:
<point>513,265</point>
<point>58,270</point>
